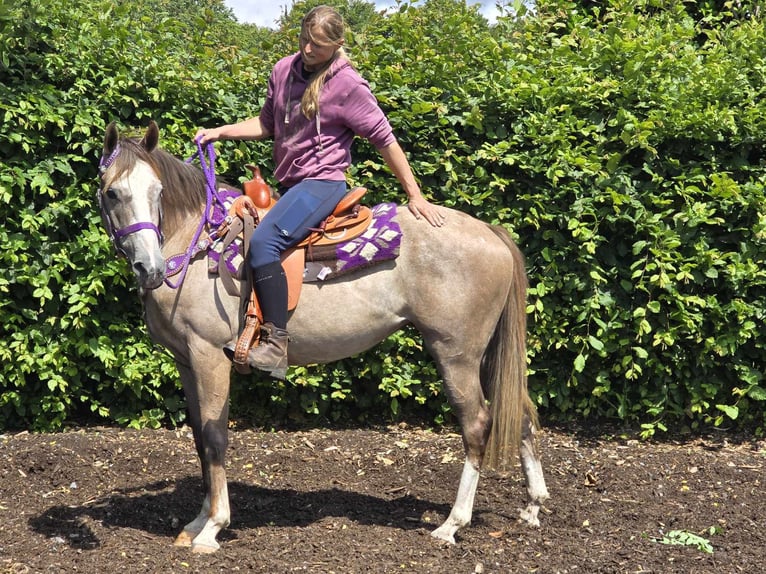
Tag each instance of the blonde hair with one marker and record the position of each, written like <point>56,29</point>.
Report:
<point>332,25</point>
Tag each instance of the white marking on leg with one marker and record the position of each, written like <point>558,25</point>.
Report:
<point>537,492</point>
<point>201,533</point>
<point>462,510</point>
<point>192,529</point>
<point>205,541</point>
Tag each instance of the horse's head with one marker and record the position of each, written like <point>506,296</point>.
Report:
<point>130,202</point>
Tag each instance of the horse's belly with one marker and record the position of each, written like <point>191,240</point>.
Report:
<point>335,321</point>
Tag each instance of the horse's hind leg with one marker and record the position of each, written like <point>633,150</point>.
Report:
<point>473,416</point>
<point>537,492</point>
<point>208,413</point>
<point>462,509</point>
<point>476,423</point>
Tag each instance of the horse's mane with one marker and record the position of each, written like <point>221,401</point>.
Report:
<point>183,185</point>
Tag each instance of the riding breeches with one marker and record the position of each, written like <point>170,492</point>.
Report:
<point>303,206</point>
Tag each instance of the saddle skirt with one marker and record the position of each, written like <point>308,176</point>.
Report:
<point>379,242</point>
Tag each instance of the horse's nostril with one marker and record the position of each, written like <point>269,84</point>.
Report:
<point>140,269</point>
<point>149,276</point>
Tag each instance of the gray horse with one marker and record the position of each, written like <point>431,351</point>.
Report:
<point>462,286</point>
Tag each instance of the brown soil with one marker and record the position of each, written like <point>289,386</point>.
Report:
<point>109,500</point>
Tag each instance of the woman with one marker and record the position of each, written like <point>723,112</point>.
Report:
<point>315,104</point>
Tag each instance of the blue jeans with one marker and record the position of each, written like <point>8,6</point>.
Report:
<point>303,206</point>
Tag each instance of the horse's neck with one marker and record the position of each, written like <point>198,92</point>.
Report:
<point>184,225</point>
<point>180,235</point>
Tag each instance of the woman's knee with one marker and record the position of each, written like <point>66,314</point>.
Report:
<point>264,248</point>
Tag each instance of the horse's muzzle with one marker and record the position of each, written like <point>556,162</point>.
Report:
<point>150,280</point>
<point>149,277</point>
<point>148,264</point>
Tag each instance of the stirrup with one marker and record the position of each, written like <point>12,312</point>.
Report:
<point>229,349</point>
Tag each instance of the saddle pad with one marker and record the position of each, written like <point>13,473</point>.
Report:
<point>379,243</point>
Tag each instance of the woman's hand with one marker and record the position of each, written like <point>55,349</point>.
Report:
<point>421,208</point>
<point>249,129</point>
<point>418,205</point>
<point>207,135</point>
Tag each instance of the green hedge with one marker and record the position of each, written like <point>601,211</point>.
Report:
<point>621,145</point>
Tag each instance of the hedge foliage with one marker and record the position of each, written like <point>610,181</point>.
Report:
<point>622,143</point>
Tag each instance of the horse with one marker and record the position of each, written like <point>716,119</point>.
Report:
<point>462,286</point>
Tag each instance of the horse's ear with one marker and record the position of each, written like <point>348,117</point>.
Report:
<point>110,139</point>
<point>152,136</point>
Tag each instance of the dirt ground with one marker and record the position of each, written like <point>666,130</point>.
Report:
<point>364,500</point>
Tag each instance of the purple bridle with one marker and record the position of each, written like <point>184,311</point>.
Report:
<point>116,235</point>
<point>215,213</point>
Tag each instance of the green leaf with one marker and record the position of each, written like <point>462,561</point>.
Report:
<point>579,363</point>
<point>684,538</point>
<point>731,411</point>
<point>595,343</point>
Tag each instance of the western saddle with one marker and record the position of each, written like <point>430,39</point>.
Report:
<point>348,220</point>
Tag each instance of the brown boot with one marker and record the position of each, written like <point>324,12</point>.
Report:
<point>271,354</point>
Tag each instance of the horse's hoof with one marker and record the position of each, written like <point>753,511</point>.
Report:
<point>529,515</point>
<point>204,549</point>
<point>444,536</point>
<point>184,539</point>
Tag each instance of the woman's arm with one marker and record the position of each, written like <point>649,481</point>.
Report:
<point>250,129</point>
<point>417,204</point>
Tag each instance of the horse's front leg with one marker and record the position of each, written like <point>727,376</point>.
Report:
<point>207,392</point>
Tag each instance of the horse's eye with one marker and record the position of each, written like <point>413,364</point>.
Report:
<point>111,194</point>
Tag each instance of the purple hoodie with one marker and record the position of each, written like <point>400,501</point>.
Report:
<point>320,148</point>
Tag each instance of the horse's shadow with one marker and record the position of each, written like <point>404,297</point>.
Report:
<point>160,510</point>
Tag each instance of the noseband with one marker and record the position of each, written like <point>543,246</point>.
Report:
<point>116,235</point>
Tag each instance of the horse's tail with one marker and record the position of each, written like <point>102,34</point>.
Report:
<point>504,368</point>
